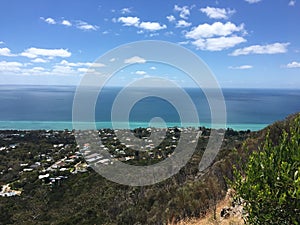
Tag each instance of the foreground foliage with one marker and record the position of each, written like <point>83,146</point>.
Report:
<point>270,183</point>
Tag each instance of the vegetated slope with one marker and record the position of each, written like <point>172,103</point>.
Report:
<point>274,209</point>
<point>269,184</point>
<point>88,198</point>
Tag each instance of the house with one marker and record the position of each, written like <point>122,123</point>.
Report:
<point>8,192</point>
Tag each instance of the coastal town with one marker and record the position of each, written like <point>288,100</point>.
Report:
<point>55,155</point>
<point>52,173</point>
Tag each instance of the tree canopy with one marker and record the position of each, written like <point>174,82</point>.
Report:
<point>270,181</point>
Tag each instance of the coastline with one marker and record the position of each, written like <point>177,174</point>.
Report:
<point>62,125</point>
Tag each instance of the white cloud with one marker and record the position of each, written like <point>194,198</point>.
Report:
<point>66,63</point>
<point>5,52</point>
<point>49,20</point>
<point>153,34</point>
<point>140,32</point>
<point>60,69</point>
<point>129,21</point>
<point>292,3</point>
<point>183,42</point>
<point>63,70</point>
<point>82,25</point>
<point>183,23</point>
<point>135,21</point>
<point>275,48</point>
<point>85,26</point>
<point>78,64</point>
<point>216,36</point>
<point>171,18</point>
<point>152,26</point>
<point>135,59</point>
<point>83,70</point>
<point>2,42</point>
<point>215,29</point>
<point>97,65</point>
<point>217,13</point>
<point>10,67</point>
<point>152,68</point>
<point>66,23</point>
<point>140,72</point>
<point>35,52</point>
<point>243,67</point>
<point>38,69</point>
<point>219,43</point>
<point>252,1</point>
<point>39,60</point>
<point>184,11</point>
<point>293,65</point>
<point>125,10</point>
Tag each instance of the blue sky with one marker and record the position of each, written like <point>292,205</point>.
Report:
<point>246,43</point>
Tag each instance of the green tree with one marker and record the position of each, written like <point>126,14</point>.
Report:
<point>270,183</point>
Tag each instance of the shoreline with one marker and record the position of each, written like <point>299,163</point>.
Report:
<point>68,125</point>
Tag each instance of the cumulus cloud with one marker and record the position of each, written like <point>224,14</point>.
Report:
<point>39,60</point>
<point>6,52</point>
<point>252,1</point>
<point>48,20</point>
<point>152,26</point>
<point>82,25</point>
<point>183,23</point>
<point>125,10</point>
<point>129,21</point>
<point>10,66</point>
<point>219,43</point>
<point>83,70</point>
<point>215,29</point>
<point>135,21</point>
<point>38,69</point>
<point>63,70</point>
<point>140,72</point>
<point>97,65</point>
<point>36,52</point>
<point>171,18</point>
<point>79,64</point>
<point>2,42</point>
<point>275,48</point>
<point>66,23</point>
<point>66,63</point>
<point>293,64</point>
<point>85,26</point>
<point>217,13</point>
<point>184,11</point>
<point>243,67</point>
<point>134,59</point>
<point>216,36</point>
<point>292,3</point>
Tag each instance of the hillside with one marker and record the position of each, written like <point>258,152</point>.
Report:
<point>81,196</point>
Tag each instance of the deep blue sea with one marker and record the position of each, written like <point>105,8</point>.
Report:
<point>50,107</point>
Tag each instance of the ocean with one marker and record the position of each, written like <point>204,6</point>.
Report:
<point>50,107</point>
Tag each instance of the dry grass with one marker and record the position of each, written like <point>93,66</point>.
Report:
<point>209,220</point>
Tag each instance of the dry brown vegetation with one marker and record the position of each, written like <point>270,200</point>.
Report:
<point>209,218</point>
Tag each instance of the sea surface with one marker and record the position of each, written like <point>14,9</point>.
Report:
<point>50,107</point>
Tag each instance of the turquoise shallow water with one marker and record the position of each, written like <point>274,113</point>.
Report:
<point>61,125</point>
<point>51,107</point>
